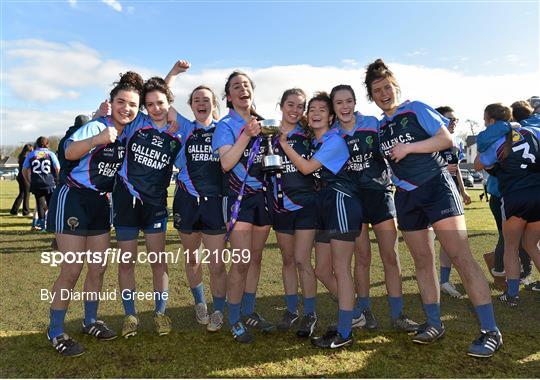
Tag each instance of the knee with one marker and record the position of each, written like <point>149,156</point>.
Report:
<point>363,259</point>
<point>256,259</point>
<point>70,276</point>
<point>288,261</point>
<point>303,265</point>
<point>531,247</point>
<point>160,268</point>
<point>390,260</point>
<point>217,270</point>
<point>192,262</point>
<point>126,268</point>
<point>96,273</point>
<point>323,273</point>
<point>341,271</point>
<point>424,262</point>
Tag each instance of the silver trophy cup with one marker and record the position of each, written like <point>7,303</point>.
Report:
<point>269,129</point>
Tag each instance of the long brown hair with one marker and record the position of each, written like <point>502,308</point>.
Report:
<point>234,74</point>
<point>378,70</point>
<point>130,81</point>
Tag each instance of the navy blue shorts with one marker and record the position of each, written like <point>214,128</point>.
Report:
<point>131,215</point>
<point>302,219</point>
<point>81,212</point>
<point>434,200</point>
<point>202,214</point>
<point>377,206</point>
<point>253,209</point>
<point>339,216</point>
<point>523,203</point>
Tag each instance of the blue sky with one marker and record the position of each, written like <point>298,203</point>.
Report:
<point>60,57</point>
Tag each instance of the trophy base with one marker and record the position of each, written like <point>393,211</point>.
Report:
<point>273,169</point>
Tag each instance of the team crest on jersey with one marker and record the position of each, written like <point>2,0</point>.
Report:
<point>516,137</point>
<point>172,145</point>
<point>404,122</point>
<point>142,134</point>
<point>73,223</point>
<point>369,141</point>
<point>306,144</point>
<point>41,154</point>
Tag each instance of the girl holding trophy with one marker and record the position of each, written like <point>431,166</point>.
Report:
<point>236,139</point>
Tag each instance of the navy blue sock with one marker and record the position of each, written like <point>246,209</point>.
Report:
<point>219,303</point>
<point>433,313</point>
<point>486,317</point>
<point>513,287</point>
<point>345,322</point>
<point>160,300</point>
<point>248,303</point>
<point>309,305</point>
<point>292,303</point>
<point>445,274</point>
<point>234,312</point>
<point>90,312</point>
<point>128,301</point>
<point>56,324</point>
<point>198,294</point>
<point>396,306</point>
<point>362,303</point>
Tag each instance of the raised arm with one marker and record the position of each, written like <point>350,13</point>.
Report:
<point>178,68</point>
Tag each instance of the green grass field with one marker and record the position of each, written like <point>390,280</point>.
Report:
<point>192,352</point>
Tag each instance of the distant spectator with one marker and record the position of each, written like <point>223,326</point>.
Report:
<point>24,189</point>
<point>40,171</point>
<point>451,155</point>
<point>65,165</point>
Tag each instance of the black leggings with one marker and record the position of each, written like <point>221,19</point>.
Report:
<point>23,197</point>
<point>42,203</point>
<point>495,206</point>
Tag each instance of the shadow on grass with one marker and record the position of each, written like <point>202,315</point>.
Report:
<point>189,351</point>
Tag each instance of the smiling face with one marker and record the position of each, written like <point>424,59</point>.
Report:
<point>318,115</point>
<point>240,93</point>
<point>293,108</point>
<point>125,106</point>
<point>157,105</point>
<point>202,105</point>
<point>385,95</point>
<point>344,106</point>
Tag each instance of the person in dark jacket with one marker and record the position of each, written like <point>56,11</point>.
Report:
<point>24,190</point>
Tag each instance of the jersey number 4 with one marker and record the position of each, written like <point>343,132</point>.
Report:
<point>526,154</point>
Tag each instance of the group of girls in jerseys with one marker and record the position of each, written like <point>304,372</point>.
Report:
<point>338,170</point>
